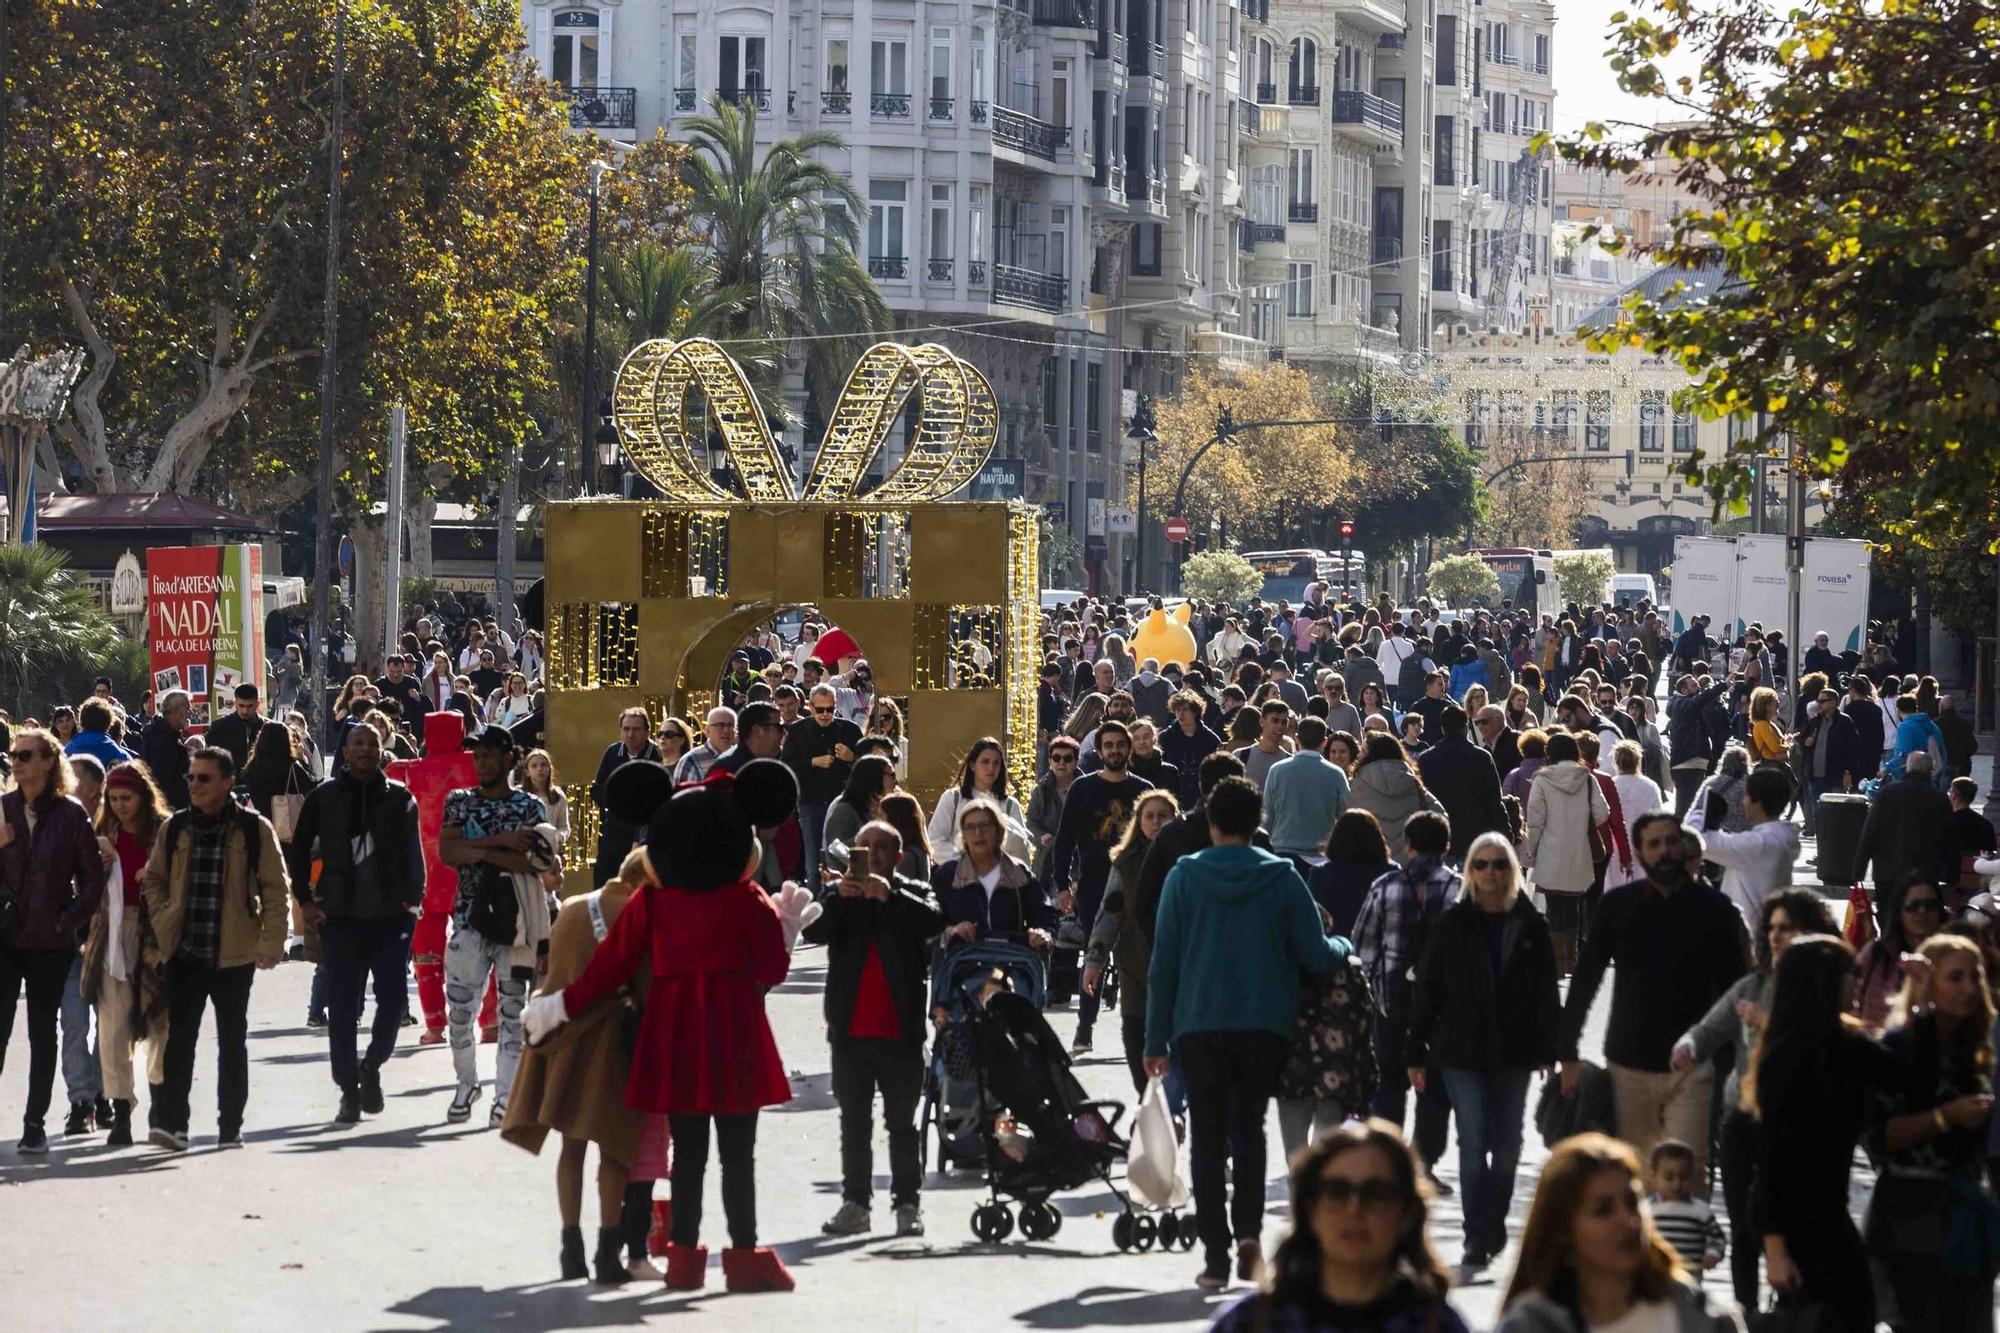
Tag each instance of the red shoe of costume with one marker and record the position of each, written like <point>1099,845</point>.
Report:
<point>661,1236</point>
<point>687,1267</point>
<point>755,1270</point>
<point>432,1037</point>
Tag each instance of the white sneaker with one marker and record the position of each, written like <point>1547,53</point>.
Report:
<point>642,1270</point>
<point>461,1103</point>
<point>496,1115</point>
<point>851,1219</point>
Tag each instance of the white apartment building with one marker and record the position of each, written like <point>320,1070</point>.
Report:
<point>1639,209</point>
<point>1051,186</point>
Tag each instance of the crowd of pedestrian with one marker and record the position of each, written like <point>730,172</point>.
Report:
<point>1345,858</point>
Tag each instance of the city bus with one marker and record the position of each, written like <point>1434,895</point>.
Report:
<point>1287,573</point>
<point>1523,574</point>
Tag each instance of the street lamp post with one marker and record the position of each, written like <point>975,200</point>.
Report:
<point>608,444</point>
<point>1142,431</point>
<point>589,394</point>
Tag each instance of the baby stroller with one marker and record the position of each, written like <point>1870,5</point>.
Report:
<point>954,1107</point>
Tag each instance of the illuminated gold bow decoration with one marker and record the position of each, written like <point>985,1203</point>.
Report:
<point>954,435</point>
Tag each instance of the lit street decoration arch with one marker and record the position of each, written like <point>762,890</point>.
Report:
<point>648,598</point>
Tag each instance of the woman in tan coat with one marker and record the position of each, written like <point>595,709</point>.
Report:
<point>573,1084</point>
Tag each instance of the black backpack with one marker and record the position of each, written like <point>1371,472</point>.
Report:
<point>1410,676</point>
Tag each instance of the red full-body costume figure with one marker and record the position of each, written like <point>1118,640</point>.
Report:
<point>445,766</point>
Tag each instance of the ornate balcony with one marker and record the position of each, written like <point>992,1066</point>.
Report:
<point>1267,93</point>
<point>1026,287</point>
<point>888,266</point>
<point>939,108</point>
<point>603,108</point>
<point>1248,118</point>
<point>838,103</point>
<point>889,106</point>
<point>1025,134</point>
<point>937,270</point>
<point>979,110</point>
<point>1351,106</point>
<point>684,99</point>
<point>1303,96</point>
<point>1301,212</point>
<point>975,273</point>
<point>749,99</point>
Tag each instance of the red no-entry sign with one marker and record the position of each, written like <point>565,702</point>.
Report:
<point>1177,529</point>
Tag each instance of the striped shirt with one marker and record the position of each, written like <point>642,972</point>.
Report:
<point>1690,1227</point>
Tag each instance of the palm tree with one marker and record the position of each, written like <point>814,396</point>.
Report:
<point>53,632</point>
<point>781,226</point>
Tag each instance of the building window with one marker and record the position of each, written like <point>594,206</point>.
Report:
<point>1302,181</point>
<point>742,64</point>
<point>1684,432</point>
<point>1093,406</point>
<point>1652,420</point>
<point>1447,50</point>
<point>941,54</point>
<point>1597,421</point>
<point>836,65</point>
<point>688,46</point>
<point>889,68</point>
<point>1541,53</point>
<point>1304,68</point>
<point>1301,290</point>
<point>978,72</point>
<point>576,49</point>
<point>886,200</point>
<point>975,226</point>
<point>1050,398</point>
<point>940,238</point>
<point>1444,162</point>
<point>1475,418</point>
<point>1563,424</point>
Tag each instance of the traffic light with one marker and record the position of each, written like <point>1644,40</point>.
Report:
<point>1346,530</point>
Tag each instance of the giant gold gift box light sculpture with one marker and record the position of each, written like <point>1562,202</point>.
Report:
<point>646,600</point>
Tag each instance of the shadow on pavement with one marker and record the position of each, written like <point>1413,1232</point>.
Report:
<point>1095,1307</point>
<point>810,1092</point>
<point>334,1139</point>
<point>535,1307</point>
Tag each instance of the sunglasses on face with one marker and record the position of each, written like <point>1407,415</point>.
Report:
<point>1497,863</point>
<point>25,756</point>
<point>202,777</point>
<point>822,712</point>
<point>1928,905</point>
<point>1062,759</point>
<point>1378,1192</point>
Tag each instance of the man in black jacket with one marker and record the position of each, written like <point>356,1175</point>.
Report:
<point>1501,741</point>
<point>1909,828</point>
<point>237,731</point>
<point>1833,758</point>
<point>615,836</point>
<point>1463,778</point>
<point>1688,748</point>
<point>165,747</point>
<point>820,752</point>
<point>1678,945</point>
<point>365,905</point>
<point>877,927</point>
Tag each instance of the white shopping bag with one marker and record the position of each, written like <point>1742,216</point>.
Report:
<point>1153,1166</point>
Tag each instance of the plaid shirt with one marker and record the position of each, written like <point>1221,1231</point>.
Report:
<point>1385,934</point>
<point>201,928</point>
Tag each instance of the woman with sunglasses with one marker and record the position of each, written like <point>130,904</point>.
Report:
<point>51,881</point>
<point>1485,1015</point>
<point>674,742</point>
<point>1045,805</point>
<point>1358,1258</point>
<point>1910,914</point>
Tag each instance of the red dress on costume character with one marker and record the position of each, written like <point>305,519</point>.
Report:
<point>445,767</point>
<point>705,1044</point>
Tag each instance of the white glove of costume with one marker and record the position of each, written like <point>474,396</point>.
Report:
<point>544,1014</point>
<point>797,909</point>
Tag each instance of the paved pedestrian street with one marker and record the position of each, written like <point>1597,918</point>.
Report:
<point>405,1222</point>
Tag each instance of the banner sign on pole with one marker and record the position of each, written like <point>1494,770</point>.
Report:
<point>205,622</point>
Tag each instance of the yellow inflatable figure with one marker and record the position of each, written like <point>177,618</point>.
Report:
<point>1164,635</point>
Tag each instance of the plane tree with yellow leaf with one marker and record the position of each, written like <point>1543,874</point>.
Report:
<point>1845,152</point>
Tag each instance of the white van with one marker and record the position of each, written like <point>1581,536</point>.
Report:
<point>1631,589</point>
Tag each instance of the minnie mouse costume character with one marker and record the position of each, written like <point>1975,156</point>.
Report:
<point>705,1057</point>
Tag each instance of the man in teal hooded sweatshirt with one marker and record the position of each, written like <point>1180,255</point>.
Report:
<point>1236,927</point>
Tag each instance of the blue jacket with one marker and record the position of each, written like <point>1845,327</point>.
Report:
<point>1913,735</point>
<point>1303,795</point>
<point>100,747</point>
<point>1464,675</point>
<point>1236,927</point>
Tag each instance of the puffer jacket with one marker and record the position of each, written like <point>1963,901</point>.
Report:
<point>1687,726</point>
<point>1389,791</point>
<point>333,813</point>
<point>1564,804</point>
<point>55,874</point>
